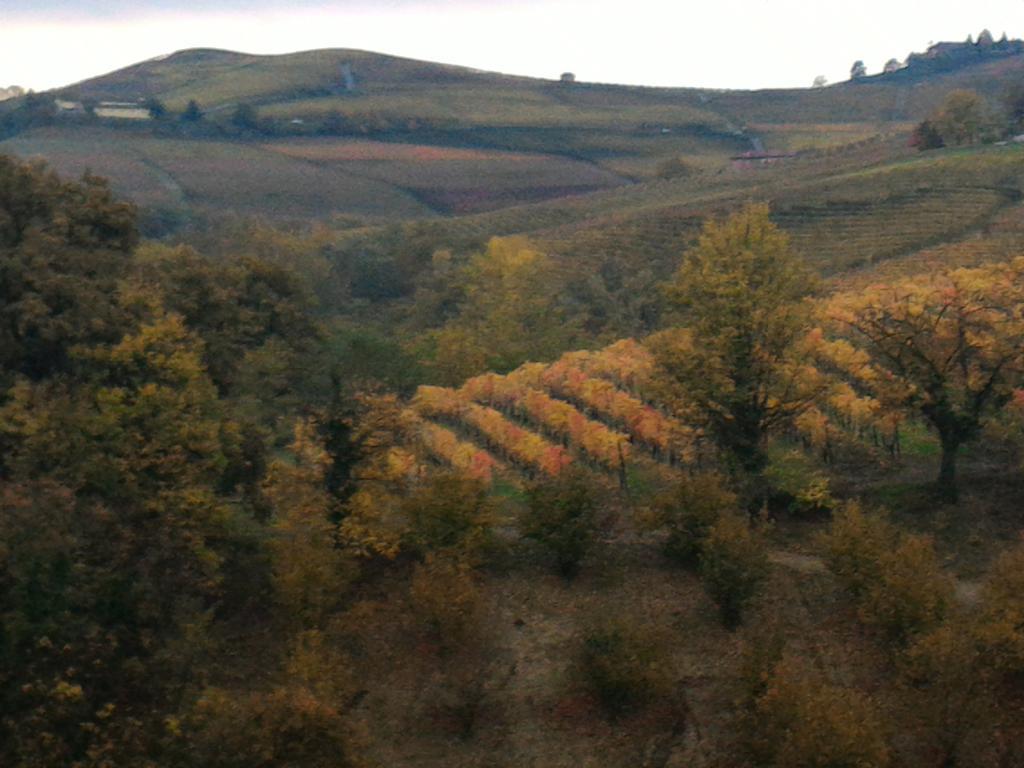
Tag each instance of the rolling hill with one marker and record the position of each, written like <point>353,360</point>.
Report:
<point>577,165</point>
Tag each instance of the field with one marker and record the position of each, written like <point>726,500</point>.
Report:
<point>421,140</point>
<point>451,179</point>
<point>308,179</point>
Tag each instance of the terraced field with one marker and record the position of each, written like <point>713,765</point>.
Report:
<point>587,408</point>
<point>308,179</point>
<point>451,179</point>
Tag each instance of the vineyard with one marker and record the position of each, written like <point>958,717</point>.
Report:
<point>586,408</point>
<point>599,410</point>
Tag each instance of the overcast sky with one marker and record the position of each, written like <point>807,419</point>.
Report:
<point>709,43</point>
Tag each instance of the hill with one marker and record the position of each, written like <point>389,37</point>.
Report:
<point>383,138</point>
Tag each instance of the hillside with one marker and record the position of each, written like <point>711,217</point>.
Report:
<point>365,135</point>
<point>384,413</point>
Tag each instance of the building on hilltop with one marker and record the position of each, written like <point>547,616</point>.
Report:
<point>119,110</point>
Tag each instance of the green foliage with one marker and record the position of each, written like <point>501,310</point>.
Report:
<point>157,109</point>
<point>310,571</point>
<point>802,721</point>
<point>259,342</point>
<point>449,515</point>
<point>895,578</point>
<point>794,476</point>
<point>245,118</point>
<point>561,516</point>
<point>674,168</point>
<point>911,593</point>
<point>509,313</point>
<point>620,666</point>
<point>689,511</point>
<point>63,247</point>
<point>926,136</point>
<point>854,546</point>
<point>1000,628</point>
<point>733,566</point>
<point>741,295</point>
<point>964,118</point>
<point>192,113</point>
<point>446,599</point>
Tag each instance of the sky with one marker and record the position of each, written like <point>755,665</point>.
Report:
<point>705,43</point>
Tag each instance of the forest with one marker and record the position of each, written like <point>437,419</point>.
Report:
<point>268,502</point>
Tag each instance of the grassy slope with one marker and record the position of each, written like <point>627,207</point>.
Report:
<point>581,138</point>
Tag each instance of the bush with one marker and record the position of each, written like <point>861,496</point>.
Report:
<point>285,726</point>
<point>619,667</point>
<point>674,168</point>
<point>1000,626</point>
<point>450,515</point>
<point>894,578</point>
<point>911,594</point>
<point>854,545</point>
<point>733,565</point>
<point>794,478</point>
<point>561,517</point>
<point>689,512</point>
<point>446,599</point>
<point>947,691</point>
<point>802,722</point>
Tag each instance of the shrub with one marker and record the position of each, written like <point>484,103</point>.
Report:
<point>794,478</point>
<point>674,168</point>
<point>619,666</point>
<point>689,512</point>
<point>802,721</point>
<point>446,599</point>
<point>561,517</point>
<point>948,693</point>
<point>911,593</point>
<point>1000,626</point>
<point>926,136</point>
<point>733,564</point>
<point>449,515</point>
<point>284,726</point>
<point>854,545</point>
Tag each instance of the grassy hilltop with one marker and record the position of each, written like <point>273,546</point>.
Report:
<point>380,137</point>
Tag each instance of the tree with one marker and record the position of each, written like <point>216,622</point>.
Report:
<point>567,77</point>
<point>63,247</point>
<point>157,109</point>
<point>192,113</point>
<point>733,565</point>
<point>892,65</point>
<point>124,467</point>
<point>688,512</point>
<point>674,167</point>
<point>1013,100</point>
<point>985,39</point>
<point>926,136</point>
<point>963,118</point>
<point>561,517</point>
<point>451,516</point>
<point>510,311</point>
<point>311,572</point>
<point>245,118</point>
<point>802,721</point>
<point>741,293</point>
<point>949,347</point>
<point>858,70</point>
<point>820,82</point>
